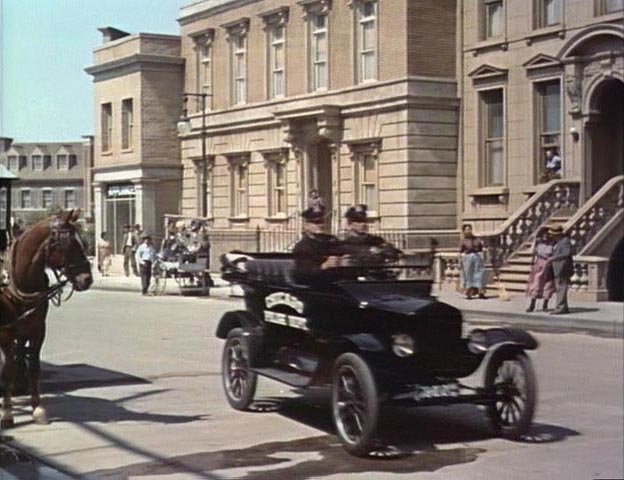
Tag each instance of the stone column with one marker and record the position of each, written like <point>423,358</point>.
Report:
<point>145,206</point>
<point>99,205</point>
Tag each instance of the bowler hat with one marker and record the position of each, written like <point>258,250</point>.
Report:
<point>144,236</point>
<point>357,213</point>
<point>313,216</point>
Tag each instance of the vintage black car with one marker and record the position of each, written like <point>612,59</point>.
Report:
<point>375,340</point>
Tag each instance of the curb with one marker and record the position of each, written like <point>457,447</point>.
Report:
<point>551,323</point>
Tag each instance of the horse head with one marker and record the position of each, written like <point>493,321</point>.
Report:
<point>65,250</point>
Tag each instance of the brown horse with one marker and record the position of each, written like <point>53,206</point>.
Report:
<point>54,244</point>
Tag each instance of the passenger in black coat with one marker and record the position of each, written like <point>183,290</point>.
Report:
<point>317,254</point>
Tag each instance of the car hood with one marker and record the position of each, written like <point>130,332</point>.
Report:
<point>404,298</point>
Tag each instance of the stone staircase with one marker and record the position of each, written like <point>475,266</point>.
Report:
<point>514,274</point>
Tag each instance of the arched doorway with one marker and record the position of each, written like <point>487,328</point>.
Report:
<point>615,275</point>
<point>606,131</point>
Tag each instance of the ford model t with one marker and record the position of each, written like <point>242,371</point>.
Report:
<point>374,339</point>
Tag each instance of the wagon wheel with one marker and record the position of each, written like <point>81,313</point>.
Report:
<point>511,378</point>
<point>239,382</point>
<point>355,404</point>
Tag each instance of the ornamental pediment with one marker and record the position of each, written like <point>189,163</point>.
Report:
<point>488,72</point>
<point>541,60</point>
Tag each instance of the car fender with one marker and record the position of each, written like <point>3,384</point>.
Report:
<point>235,319</point>
<point>365,342</point>
<point>505,340</point>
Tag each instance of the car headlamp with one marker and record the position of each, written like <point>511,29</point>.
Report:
<point>477,341</point>
<point>403,345</point>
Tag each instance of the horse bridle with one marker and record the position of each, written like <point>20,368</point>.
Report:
<point>60,236</point>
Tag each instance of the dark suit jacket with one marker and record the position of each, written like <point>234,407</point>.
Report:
<point>562,258</point>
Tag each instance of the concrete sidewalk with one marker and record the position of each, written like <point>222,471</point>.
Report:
<point>602,318</point>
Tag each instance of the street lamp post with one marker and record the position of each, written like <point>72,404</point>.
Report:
<point>184,128</point>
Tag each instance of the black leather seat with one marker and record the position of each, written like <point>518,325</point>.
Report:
<point>278,271</point>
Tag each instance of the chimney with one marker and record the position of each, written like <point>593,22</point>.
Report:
<point>110,34</point>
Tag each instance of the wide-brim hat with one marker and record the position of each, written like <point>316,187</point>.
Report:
<point>312,215</point>
<point>357,213</point>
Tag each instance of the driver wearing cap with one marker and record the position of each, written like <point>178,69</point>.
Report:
<point>317,252</point>
<point>358,242</point>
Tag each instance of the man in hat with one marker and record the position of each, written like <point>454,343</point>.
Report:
<point>317,252</point>
<point>130,243</point>
<point>358,242</point>
<point>145,257</point>
<point>562,266</point>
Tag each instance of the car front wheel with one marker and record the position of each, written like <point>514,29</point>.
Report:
<point>355,404</point>
<point>239,382</point>
<point>510,378</point>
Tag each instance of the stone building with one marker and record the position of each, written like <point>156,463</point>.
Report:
<point>536,78</point>
<point>357,99</point>
<point>137,171</point>
<point>51,175</point>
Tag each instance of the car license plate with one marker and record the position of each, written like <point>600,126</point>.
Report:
<point>445,390</point>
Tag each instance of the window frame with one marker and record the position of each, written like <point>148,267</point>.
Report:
<point>538,87</point>
<point>58,163</point>
<point>106,119</point>
<point>313,34</point>
<point>600,8</point>
<point>239,195</point>
<point>10,160</point>
<point>359,154</point>
<point>43,196</point>
<point>127,124</point>
<point>360,20</point>
<point>485,141</point>
<point>30,199</point>
<point>65,195</point>
<point>235,78</point>
<point>485,16</point>
<point>271,55</point>
<point>540,14</point>
<point>33,161</point>
<point>277,193</point>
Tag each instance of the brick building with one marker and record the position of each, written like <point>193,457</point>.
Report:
<point>137,172</point>
<point>51,175</point>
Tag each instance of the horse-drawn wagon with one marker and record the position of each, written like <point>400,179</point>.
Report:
<point>184,256</point>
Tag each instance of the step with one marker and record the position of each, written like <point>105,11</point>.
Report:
<point>521,268</point>
<point>520,260</point>
<point>514,277</point>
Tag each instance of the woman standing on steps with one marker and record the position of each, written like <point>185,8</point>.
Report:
<point>541,284</point>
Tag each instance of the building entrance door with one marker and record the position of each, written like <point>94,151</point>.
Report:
<point>319,172</point>
<point>606,133</point>
<point>119,211</point>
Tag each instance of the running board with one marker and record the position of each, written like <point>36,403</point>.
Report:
<point>289,378</point>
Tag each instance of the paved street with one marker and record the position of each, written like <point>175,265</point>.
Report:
<point>133,391</point>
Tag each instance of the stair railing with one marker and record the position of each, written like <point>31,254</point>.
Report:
<point>605,204</point>
<point>535,212</point>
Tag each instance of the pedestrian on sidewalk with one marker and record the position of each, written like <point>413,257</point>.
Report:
<point>315,201</point>
<point>105,252</point>
<point>130,244</point>
<point>472,265</point>
<point>562,266</point>
<point>145,257</point>
<point>541,284</point>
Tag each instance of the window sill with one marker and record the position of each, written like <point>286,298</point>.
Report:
<point>607,17</point>
<point>500,192</point>
<point>279,218</point>
<point>490,44</point>
<point>108,153</point>
<point>239,219</point>
<point>127,150</point>
<point>546,32</point>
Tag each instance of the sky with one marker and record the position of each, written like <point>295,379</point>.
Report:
<point>45,94</point>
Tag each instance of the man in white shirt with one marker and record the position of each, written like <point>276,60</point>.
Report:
<point>145,256</point>
<point>129,248</point>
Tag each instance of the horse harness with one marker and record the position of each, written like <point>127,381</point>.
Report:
<point>60,236</point>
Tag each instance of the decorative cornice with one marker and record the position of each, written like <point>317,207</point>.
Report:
<point>314,6</point>
<point>541,60</point>
<point>275,16</point>
<point>139,60</point>
<point>236,27</point>
<point>488,72</point>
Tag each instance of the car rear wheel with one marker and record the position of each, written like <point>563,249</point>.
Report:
<point>510,377</point>
<point>239,382</point>
<point>355,404</point>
